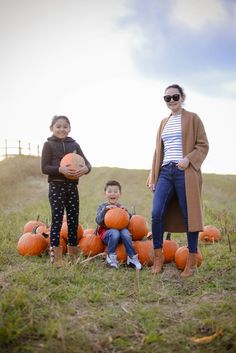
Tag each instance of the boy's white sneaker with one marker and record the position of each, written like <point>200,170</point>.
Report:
<point>111,260</point>
<point>134,261</point>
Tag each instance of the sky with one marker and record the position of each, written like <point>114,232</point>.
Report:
<point>106,63</point>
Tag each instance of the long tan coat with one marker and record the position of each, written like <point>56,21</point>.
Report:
<point>195,147</point>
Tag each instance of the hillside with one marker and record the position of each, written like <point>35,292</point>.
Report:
<point>21,182</point>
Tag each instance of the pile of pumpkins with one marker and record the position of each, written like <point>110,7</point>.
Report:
<point>36,239</point>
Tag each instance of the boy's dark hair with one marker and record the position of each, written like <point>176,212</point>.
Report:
<point>111,183</point>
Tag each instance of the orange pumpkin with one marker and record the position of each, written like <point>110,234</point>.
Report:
<point>181,257</point>
<point>138,227</point>
<point>88,231</point>
<point>74,161</point>
<point>169,248</point>
<point>64,231</point>
<point>31,244</point>
<point>144,249</point>
<point>30,225</point>
<point>210,234</point>
<point>116,218</point>
<point>91,245</point>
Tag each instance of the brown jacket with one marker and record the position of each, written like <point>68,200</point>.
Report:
<point>195,147</point>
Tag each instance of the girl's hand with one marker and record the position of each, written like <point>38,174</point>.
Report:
<point>67,171</point>
<point>183,163</point>
<point>81,171</point>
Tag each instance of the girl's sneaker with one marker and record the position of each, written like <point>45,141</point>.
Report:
<point>134,261</point>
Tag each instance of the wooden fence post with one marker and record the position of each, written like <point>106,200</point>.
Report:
<point>5,148</point>
<point>19,147</point>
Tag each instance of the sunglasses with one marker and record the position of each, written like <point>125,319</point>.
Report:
<point>175,98</point>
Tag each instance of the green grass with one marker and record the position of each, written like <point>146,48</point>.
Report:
<point>90,308</point>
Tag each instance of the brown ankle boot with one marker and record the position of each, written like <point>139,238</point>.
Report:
<point>73,252</point>
<point>57,256</point>
<point>190,266</point>
<point>158,261</point>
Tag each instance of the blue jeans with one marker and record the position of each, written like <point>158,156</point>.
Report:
<point>171,180</point>
<point>113,237</point>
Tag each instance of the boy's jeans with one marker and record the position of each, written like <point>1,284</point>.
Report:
<point>113,236</point>
<point>171,179</point>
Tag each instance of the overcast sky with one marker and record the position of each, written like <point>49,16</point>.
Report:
<point>105,64</point>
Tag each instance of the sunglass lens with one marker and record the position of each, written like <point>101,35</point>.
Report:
<point>176,97</point>
<point>167,98</point>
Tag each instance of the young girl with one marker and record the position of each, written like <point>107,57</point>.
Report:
<point>63,192</point>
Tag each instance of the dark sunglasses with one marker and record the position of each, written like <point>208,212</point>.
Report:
<point>175,98</point>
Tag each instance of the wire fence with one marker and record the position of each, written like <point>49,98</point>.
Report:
<point>17,148</point>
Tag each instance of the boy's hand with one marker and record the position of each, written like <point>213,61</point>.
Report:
<point>109,207</point>
<point>124,208</point>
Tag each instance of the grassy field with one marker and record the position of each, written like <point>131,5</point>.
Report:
<point>90,308</point>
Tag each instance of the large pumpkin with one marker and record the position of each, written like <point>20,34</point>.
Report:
<point>31,244</point>
<point>116,218</point>
<point>91,245</point>
<point>169,248</point>
<point>138,227</point>
<point>74,161</point>
<point>210,234</point>
<point>144,249</point>
<point>181,257</point>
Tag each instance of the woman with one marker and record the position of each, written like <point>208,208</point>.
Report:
<point>175,178</point>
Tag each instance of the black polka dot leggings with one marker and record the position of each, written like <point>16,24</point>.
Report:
<point>64,196</point>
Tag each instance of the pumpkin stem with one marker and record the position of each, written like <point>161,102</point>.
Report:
<point>45,235</point>
<point>34,229</point>
<point>168,236</point>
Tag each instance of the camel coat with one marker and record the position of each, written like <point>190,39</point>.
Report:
<point>195,147</point>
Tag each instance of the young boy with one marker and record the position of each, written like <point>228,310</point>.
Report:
<point>110,236</point>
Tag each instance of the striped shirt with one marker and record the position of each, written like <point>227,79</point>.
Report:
<point>172,139</point>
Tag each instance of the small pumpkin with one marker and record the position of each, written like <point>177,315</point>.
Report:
<point>88,231</point>
<point>169,248</point>
<point>32,224</point>
<point>144,249</point>
<point>91,245</point>
<point>116,218</point>
<point>74,161</point>
<point>181,257</point>
<point>210,234</point>
<point>138,227</point>
<point>31,244</point>
<point>64,231</point>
